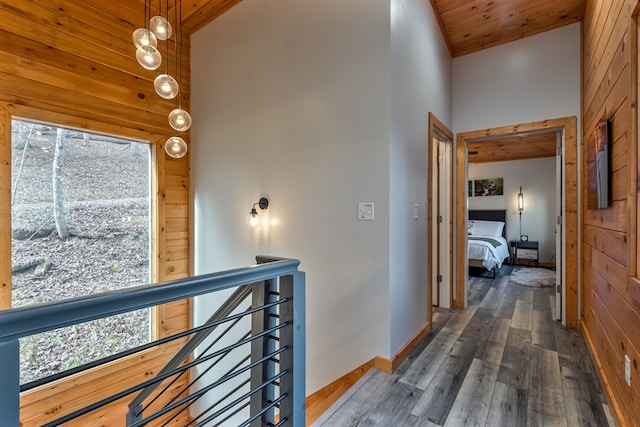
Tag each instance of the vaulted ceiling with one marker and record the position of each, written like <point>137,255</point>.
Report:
<point>468,26</point>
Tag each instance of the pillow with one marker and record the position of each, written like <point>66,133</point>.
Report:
<point>486,228</point>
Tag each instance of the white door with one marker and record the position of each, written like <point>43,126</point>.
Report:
<point>441,292</point>
<point>560,287</point>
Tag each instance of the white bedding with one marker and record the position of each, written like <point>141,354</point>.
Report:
<point>484,251</point>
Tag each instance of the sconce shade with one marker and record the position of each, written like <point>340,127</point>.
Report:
<point>254,218</point>
<point>179,119</point>
<point>520,201</point>
<point>160,27</point>
<point>175,147</point>
<point>149,57</point>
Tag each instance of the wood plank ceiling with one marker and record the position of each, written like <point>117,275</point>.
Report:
<point>468,26</point>
<point>531,145</point>
<point>473,25</point>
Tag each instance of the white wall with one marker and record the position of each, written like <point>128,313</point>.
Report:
<point>537,177</point>
<point>420,83</point>
<point>292,99</point>
<point>531,79</point>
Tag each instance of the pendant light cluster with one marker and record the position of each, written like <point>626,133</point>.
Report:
<point>149,57</point>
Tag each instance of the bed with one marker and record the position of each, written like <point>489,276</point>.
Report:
<point>487,245</point>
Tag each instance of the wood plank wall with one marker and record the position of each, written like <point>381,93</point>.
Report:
<point>611,297</point>
<point>72,63</point>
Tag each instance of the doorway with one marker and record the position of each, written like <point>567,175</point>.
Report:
<point>440,208</point>
<point>567,128</point>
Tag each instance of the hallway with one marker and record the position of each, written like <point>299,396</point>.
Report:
<point>501,362</point>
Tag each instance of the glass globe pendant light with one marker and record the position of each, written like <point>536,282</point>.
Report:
<point>175,147</point>
<point>144,37</point>
<point>166,86</point>
<point>160,27</point>
<point>149,57</point>
<point>180,119</point>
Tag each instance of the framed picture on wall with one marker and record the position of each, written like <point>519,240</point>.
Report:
<point>598,166</point>
<point>489,187</point>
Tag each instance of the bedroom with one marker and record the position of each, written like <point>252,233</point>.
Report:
<point>536,178</point>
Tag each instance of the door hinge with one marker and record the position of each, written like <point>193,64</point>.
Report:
<point>558,289</point>
<point>559,220</point>
<point>439,219</point>
<point>439,278</point>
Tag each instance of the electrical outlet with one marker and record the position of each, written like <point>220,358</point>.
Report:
<point>627,370</point>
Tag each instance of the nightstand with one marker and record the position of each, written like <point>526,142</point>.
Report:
<point>524,251</point>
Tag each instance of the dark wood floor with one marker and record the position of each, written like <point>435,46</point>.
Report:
<point>503,361</point>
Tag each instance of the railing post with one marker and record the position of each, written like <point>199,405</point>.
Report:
<point>263,293</point>
<point>293,407</point>
<point>10,381</point>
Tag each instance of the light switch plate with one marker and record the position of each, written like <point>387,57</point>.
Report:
<point>365,211</point>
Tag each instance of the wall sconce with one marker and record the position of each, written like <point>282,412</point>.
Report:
<point>254,217</point>
<point>523,237</point>
<point>520,201</point>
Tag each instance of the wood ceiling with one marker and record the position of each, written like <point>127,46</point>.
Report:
<point>473,25</point>
<point>531,145</point>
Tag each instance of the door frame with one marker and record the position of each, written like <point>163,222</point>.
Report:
<point>568,127</point>
<point>434,123</point>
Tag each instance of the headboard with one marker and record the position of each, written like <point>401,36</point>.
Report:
<point>490,215</point>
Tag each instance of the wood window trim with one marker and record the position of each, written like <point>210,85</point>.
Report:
<point>632,195</point>
<point>153,356</point>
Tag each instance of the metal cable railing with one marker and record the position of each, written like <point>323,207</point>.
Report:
<point>249,372</point>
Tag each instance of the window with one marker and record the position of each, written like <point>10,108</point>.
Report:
<point>81,225</point>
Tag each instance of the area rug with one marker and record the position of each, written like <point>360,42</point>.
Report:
<point>533,277</point>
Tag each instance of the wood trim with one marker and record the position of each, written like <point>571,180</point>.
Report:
<point>434,122</point>
<point>318,402</point>
<point>568,125</point>
<point>632,192</point>
<point>390,366</point>
<point>5,209</point>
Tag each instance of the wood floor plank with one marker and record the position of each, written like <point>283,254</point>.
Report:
<point>356,409</point>
<point>437,399</point>
<point>543,331</point>
<point>395,406</point>
<point>492,349</point>
<point>471,406</point>
<point>422,370</point>
<point>545,406</point>
<point>514,368</point>
<point>583,404</point>
<point>573,355</point>
<point>508,406</point>
<point>506,304</point>
<point>522,314</point>
<point>460,319</point>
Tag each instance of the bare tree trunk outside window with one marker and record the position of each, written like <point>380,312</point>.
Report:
<point>58,190</point>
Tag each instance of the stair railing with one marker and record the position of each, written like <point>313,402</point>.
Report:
<point>265,387</point>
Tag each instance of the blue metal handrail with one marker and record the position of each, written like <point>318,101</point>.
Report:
<point>26,321</point>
